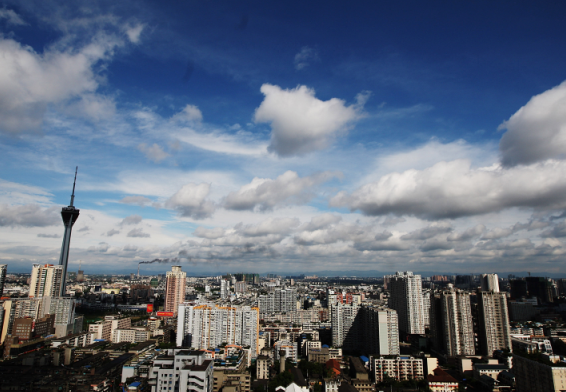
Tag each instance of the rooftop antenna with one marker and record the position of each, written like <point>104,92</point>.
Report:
<point>74,182</point>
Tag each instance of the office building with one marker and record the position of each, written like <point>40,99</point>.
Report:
<point>205,326</point>
<point>452,326</point>
<point>45,281</point>
<point>3,270</point>
<point>175,288</point>
<point>181,370</point>
<point>490,282</point>
<point>493,322</point>
<point>407,299</point>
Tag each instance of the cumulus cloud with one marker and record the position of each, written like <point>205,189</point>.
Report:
<point>305,57</point>
<point>136,200</point>
<point>112,232</point>
<point>537,131</point>
<point>210,234</point>
<point>269,226</point>
<point>134,32</point>
<point>11,17</point>
<point>300,122</point>
<point>455,189</point>
<point>154,152</point>
<point>557,231</point>
<point>428,232</point>
<point>466,235</point>
<point>29,215</point>
<point>41,235</point>
<point>131,220</point>
<point>189,113</point>
<point>264,193</point>
<point>139,233</point>
<point>321,222</point>
<point>190,201</point>
<point>30,81</point>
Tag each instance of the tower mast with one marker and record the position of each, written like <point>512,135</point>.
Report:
<point>69,215</point>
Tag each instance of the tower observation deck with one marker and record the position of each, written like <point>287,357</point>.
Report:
<point>69,215</point>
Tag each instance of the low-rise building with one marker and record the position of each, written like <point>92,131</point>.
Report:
<point>181,370</point>
<point>398,368</point>
<point>441,381</point>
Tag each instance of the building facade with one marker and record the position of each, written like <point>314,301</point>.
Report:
<point>493,322</point>
<point>175,288</point>
<point>407,299</point>
<point>204,326</point>
<point>398,368</point>
<point>452,326</point>
<point>181,370</point>
<point>45,280</point>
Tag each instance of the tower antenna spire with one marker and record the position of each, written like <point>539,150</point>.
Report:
<point>73,194</point>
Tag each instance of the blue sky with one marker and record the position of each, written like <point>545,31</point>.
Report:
<point>291,137</point>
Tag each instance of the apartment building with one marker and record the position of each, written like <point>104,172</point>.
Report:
<point>407,299</point>
<point>398,368</point>
<point>181,370</point>
<point>175,288</point>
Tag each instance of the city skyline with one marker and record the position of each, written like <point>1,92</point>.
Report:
<point>294,138</point>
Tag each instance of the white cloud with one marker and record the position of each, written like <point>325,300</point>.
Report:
<point>300,122</point>
<point>537,131</point>
<point>428,232</point>
<point>131,220</point>
<point>239,144</point>
<point>189,113</point>
<point>190,201</point>
<point>134,32</point>
<point>42,235</point>
<point>112,232</point>
<point>305,57</point>
<point>11,17</point>
<point>211,234</point>
<point>269,226</point>
<point>468,234</point>
<point>454,189</point>
<point>28,215</point>
<point>321,222</point>
<point>265,193</point>
<point>139,233</point>
<point>30,81</point>
<point>137,200</point>
<point>154,152</point>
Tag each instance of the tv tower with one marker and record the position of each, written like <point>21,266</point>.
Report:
<point>69,215</point>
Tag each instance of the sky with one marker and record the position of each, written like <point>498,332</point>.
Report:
<point>285,137</point>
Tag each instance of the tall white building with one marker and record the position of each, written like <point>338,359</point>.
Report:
<point>204,326</point>
<point>490,282</point>
<point>342,320</point>
<point>224,288</point>
<point>452,325</point>
<point>282,300</point>
<point>494,330</point>
<point>406,297</point>
<point>175,288</point>
<point>45,280</point>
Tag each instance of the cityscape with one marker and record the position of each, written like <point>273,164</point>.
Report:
<point>251,196</point>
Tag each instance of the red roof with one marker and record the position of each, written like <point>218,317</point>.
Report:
<point>440,376</point>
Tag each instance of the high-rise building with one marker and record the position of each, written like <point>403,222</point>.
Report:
<point>224,288</point>
<point>46,280</point>
<point>175,288</point>
<point>452,326</point>
<point>406,297</point>
<point>69,215</point>
<point>367,329</point>
<point>3,270</point>
<point>342,321</point>
<point>204,326</point>
<point>490,282</point>
<point>532,375</point>
<point>282,300</point>
<point>493,322</point>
